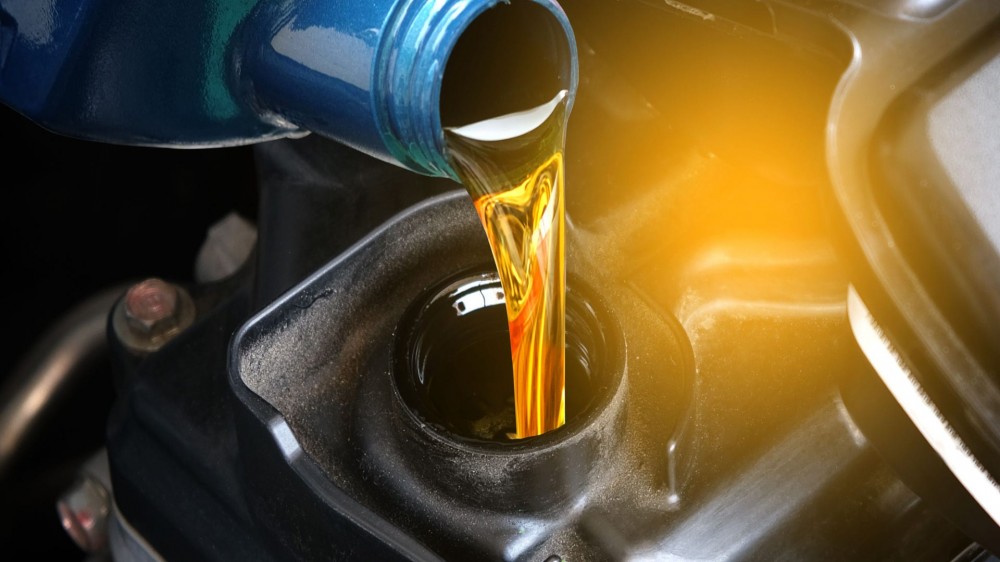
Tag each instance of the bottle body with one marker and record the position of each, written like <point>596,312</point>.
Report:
<point>139,72</point>
<point>368,74</point>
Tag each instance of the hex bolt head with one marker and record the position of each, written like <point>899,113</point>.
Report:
<point>151,306</point>
<point>152,313</point>
<point>84,510</point>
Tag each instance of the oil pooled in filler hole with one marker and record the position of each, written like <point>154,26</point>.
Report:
<point>512,166</point>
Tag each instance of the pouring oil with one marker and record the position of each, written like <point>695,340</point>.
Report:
<point>512,166</point>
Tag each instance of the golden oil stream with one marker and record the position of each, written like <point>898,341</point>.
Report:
<point>516,184</point>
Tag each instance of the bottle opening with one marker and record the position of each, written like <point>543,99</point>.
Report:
<point>452,364</point>
<point>510,58</point>
<point>511,125</point>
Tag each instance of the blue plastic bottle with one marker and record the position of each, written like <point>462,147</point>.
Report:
<point>368,74</point>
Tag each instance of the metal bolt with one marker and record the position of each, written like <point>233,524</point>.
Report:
<point>151,307</point>
<point>152,313</point>
<point>84,511</point>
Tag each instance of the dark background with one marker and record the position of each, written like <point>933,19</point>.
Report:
<point>79,217</point>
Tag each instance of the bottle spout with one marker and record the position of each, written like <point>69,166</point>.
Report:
<point>388,79</point>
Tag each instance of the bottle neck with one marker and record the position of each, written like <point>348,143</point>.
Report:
<point>418,40</point>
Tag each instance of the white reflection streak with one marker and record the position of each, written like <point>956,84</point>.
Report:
<point>477,300</point>
<point>328,52</point>
<point>690,314</point>
<point>921,409</point>
<point>285,439</point>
